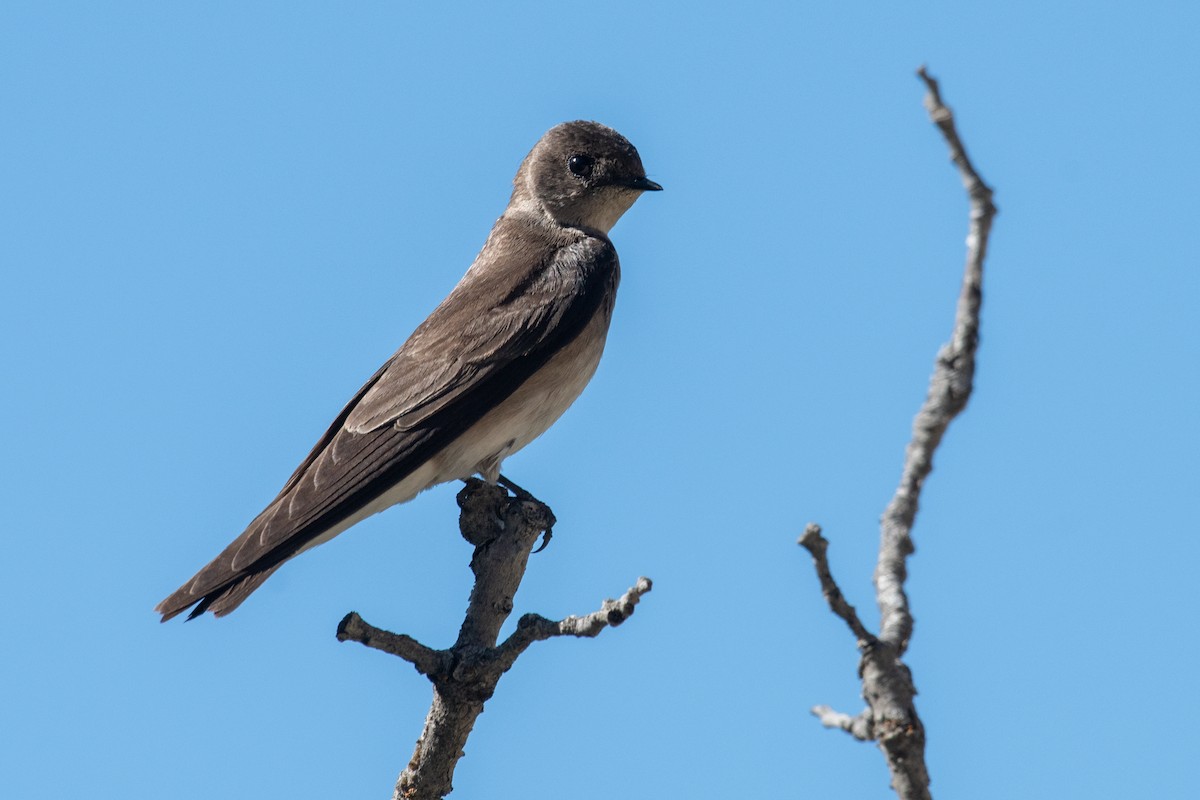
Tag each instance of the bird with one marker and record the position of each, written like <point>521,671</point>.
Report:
<point>491,369</point>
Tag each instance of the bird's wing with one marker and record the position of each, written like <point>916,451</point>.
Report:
<point>497,327</point>
<point>496,320</point>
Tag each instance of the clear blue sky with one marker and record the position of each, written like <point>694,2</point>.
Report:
<point>218,219</point>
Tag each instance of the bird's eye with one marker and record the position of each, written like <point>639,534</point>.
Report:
<point>580,165</point>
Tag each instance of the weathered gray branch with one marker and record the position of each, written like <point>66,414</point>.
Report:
<point>860,727</point>
<point>949,390</point>
<point>891,717</point>
<point>503,530</point>
<point>815,543</point>
<point>536,628</point>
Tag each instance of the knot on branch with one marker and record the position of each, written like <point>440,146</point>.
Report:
<point>488,511</point>
<point>482,505</point>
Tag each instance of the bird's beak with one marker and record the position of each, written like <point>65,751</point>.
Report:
<point>644,184</point>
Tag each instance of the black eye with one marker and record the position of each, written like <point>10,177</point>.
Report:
<point>580,165</point>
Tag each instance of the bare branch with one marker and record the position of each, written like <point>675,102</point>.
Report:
<point>503,530</point>
<point>949,389</point>
<point>860,726</point>
<point>889,691</point>
<point>815,543</point>
<point>536,628</point>
<point>939,112</point>
<point>428,661</point>
<point>891,717</point>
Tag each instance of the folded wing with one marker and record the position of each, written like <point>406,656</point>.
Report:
<point>499,325</point>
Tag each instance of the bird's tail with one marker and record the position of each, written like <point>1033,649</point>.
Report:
<point>220,601</point>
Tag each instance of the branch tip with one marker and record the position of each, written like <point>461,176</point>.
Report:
<point>349,622</point>
<point>812,537</point>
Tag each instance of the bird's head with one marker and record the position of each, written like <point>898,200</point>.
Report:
<point>582,174</point>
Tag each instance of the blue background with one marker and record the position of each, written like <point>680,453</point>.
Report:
<point>218,219</point>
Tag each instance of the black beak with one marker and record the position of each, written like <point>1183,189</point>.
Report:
<point>644,184</point>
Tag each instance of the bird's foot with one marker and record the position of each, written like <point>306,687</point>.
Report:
<point>518,492</point>
<point>526,497</point>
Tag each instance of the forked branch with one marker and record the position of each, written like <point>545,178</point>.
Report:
<point>891,717</point>
<point>504,530</point>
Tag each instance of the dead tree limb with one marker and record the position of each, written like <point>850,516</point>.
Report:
<point>503,530</point>
<point>890,718</point>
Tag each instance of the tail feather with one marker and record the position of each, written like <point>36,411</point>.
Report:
<point>220,600</point>
<point>221,586</point>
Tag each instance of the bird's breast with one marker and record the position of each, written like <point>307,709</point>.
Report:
<point>529,411</point>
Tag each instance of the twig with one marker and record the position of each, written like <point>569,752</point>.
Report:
<point>815,543</point>
<point>428,661</point>
<point>860,727</point>
<point>891,717</point>
<point>949,389</point>
<point>503,530</point>
<point>536,628</point>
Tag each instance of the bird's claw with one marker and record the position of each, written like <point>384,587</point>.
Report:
<point>527,497</point>
<point>521,494</point>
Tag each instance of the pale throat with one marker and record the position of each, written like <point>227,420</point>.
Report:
<point>604,213</point>
<point>598,212</point>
